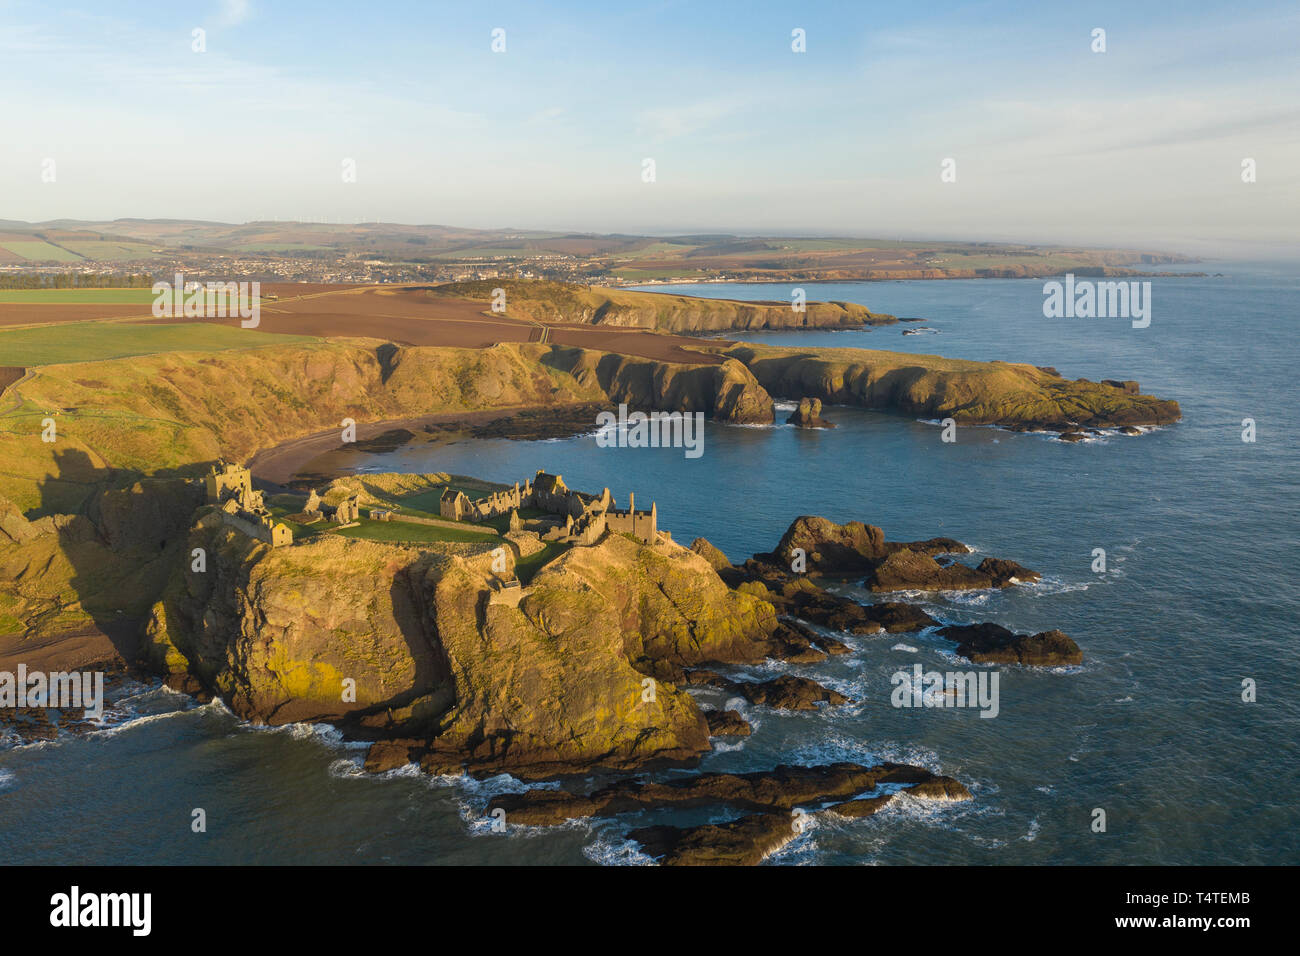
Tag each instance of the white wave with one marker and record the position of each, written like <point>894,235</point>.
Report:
<point>908,648</point>
<point>721,746</point>
<point>347,767</point>
<point>1051,585</point>
<point>7,778</point>
<point>134,723</point>
<point>610,852</point>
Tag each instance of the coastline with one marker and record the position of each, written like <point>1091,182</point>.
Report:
<point>278,464</point>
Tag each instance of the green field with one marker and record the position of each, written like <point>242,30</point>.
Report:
<point>424,504</point>
<point>40,251</point>
<point>104,251</point>
<point>281,247</point>
<point>503,252</point>
<point>93,341</point>
<point>75,296</point>
<point>400,531</point>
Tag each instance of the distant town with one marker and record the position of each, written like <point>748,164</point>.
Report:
<point>72,253</point>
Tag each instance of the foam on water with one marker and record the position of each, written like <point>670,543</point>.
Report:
<point>608,850</point>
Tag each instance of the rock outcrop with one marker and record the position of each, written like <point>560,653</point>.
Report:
<point>932,388</point>
<point>798,597</point>
<point>405,643</point>
<point>844,549</point>
<point>911,571</point>
<point>787,692</point>
<point>727,723</point>
<point>566,302</point>
<point>993,644</point>
<point>782,788</point>
<point>717,560</point>
<point>809,415</point>
<point>726,392</point>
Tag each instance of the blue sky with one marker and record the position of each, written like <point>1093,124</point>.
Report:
<point>1052,142</point>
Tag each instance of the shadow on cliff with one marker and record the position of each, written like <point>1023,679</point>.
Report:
<point>121,536</point>
<point>432,690</point>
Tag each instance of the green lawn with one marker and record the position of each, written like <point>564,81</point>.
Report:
<point>424,504</point>
<point>405,531</point>
<point>76,296</point>
<point>93,341</point>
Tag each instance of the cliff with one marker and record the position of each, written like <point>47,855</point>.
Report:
<point>666,312</point>
<point>971,393</point>
<point>555,684</point>
<point>726,392</point>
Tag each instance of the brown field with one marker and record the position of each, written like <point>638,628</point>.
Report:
<point>409,317</point>
<point>287,290</point>
<point>43,313</point>
<point>10,374</point>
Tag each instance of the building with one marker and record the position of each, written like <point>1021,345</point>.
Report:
<point>230,487</point>
<point>585,518</point>
<point>227,480</point>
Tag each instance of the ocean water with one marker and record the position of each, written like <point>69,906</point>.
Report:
<point>1200,534</point>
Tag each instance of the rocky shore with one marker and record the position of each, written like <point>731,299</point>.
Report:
<point>403,646</point>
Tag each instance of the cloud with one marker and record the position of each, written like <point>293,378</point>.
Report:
<point>671,122</point>
<point>234,12</point>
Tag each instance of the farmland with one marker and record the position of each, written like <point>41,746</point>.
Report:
<point>94,341</point>
<point>76,296</point>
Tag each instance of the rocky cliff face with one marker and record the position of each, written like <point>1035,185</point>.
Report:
<point>558,683</point>
<point>726,392</point>
<point>971,393</point>
<point>664,311</point>
<point>328,630</point>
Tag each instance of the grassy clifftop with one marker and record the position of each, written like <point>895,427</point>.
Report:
<point>929,386</point>
<point>157,413</point>
<point>562,302</point>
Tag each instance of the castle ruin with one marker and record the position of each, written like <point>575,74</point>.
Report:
<point>230,487</point>
<point>586,517</point>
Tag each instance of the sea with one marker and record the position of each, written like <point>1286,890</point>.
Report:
<point>1175,742</point>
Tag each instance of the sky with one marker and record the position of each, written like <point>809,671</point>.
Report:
<point>112,112</point>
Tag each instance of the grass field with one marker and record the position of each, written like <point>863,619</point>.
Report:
<point>109,251</point>
<point>282,247</point>
<point>424,504</point>
<point>75,296</point>
<point>40,251</point>
<point>92,341</point>
<point>406,531</point>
